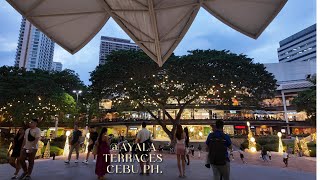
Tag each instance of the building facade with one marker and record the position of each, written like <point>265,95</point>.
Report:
<point>299,47</point>
<point>56,66</point>
<point>35,50</point>
<point>277,114</point>
<point>109,44</point>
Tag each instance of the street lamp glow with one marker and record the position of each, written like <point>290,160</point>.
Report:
<point>88,135</point>
<point>248,123</point>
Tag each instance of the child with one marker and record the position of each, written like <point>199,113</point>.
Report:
<point>285,158</point>
<point>192,150</point>
<point>269,154</point>
<point>242,157</point>
<point>231,155</point>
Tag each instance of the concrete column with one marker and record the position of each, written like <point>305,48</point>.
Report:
<point>285,111</point>
<point>127,130</point>
<point>154,132</point>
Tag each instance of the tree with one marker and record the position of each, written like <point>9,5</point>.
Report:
<point>132,80</point>
<point>36,94</point>
<point>306,101</point>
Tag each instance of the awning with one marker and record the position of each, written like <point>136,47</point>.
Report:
<point>157,26</point>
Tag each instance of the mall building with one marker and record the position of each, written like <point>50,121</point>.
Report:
<point>275,115</point>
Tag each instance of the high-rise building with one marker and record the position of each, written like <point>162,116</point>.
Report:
<point>35,50</point>
<point>109,44</point>
<point>299,47</point>
<point>56,66</point>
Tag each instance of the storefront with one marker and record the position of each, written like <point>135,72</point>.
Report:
<point>240,130</point>
<point>300,131</point>
<point>264,130</point>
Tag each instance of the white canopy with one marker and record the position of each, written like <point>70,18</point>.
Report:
<point>157,26</point>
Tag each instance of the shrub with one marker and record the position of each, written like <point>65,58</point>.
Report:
<point>54,149</point>
<point>264,140</point>
<point>313,151</point>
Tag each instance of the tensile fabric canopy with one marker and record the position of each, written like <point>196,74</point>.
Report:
<point>157,26</point>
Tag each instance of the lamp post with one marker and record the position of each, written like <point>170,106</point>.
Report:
<point>280,142</point>
<point>56,126</point>
<point>77,92</point>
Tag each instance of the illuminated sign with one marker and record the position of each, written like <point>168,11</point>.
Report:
<point>239,127</point>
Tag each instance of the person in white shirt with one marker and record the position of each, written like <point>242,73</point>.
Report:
<point>285,158</point>
<point>29,148</point>
<point>143,137</point>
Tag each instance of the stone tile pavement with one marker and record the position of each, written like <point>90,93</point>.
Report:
<point>57,170</point>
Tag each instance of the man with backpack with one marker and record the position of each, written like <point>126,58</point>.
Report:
<point>218,144</point>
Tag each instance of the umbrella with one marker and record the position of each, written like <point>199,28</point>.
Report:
<point>157,26</point>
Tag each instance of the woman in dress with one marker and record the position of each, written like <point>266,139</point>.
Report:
<point>187,140</point>
<point>180,150</point>
<point>16,148</point>
<point>103,149</point>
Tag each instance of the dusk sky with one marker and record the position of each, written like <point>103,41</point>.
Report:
<point>206,32</point>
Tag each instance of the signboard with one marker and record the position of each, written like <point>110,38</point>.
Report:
<point>239,127</point>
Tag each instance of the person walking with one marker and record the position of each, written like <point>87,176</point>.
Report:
<point>192,150</point>
<point>29,148</point>
<point>103,154</point>
<point>264,154</point>
<point>143,140</point>
<point>180,150</point>
<point>269,155</point>
<point>242,156</point>
<point>75,144</point>
<point>16,148</point>
<point>285,156</point>
<point>218,144</point>
<point>231,155</point>
<point>187,140</point>
<point>92,140</point>
<point>199,150</point>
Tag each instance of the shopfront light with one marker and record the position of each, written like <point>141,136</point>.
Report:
<point>200,134</point>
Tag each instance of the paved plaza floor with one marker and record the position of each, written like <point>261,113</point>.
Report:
<point>57,170</point>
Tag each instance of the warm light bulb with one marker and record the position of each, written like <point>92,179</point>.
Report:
<point>68,133</point>
<point>88,135</point>
<point>248,123</point>
<point>253,149</point>
<point>252,139</point>
<point>279,134</point>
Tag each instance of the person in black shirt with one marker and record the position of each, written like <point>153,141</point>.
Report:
<point>92,140</point>
<point>16,148</point>
<point>75,143</point>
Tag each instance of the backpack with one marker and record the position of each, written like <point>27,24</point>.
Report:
<point>217,150</point>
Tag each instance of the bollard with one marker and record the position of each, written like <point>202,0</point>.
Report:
<point>54,156</point>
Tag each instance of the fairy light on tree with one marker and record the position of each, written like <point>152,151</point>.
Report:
<point>202,77</point>
<point>251,139</point>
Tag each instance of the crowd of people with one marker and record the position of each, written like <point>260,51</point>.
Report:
<point>218,145</point>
